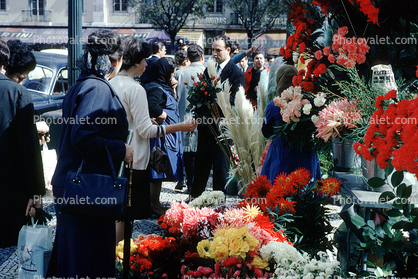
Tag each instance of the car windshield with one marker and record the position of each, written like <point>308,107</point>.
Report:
<point>39,79</point>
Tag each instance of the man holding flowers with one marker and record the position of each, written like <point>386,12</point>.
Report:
<point>209,154</point>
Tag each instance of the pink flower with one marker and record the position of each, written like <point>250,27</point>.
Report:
<point>331,58</point>
<point>205,270</point>
<point>343,31</point>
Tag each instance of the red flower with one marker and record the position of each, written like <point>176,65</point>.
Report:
<point>215,82</point>
<point>231,261</point>
<point>302,47</point>
<point>184,82</point>
<point>212,77</point>
<point>318,55</point>
<point>308,86</point>
<point>202,89</point>
<point>194,83</point>
<point>192,77</point>
<point>331,58</point>
<point>417,72</point>
<point>330,186</point>
<point>200,76</point>
<point>343,31</point>
<point>327,50</point>
<point>206,93</point>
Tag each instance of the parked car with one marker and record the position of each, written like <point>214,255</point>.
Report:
<point>48,82</point>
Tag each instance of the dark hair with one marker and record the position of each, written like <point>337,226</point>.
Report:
<point>194,53</point>
<point>226,39</point>
<point>235,45</point>
<point>4,53</point>
<point>21,59</point>
<point>270,57</point>
<point>179,57</point>
<point>172,64</point>
<point>259,52</point>
<point>134,52</point>
<point>156,46</point>
<point>104,42</point>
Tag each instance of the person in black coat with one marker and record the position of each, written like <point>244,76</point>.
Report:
<point>208,153</point>
<point>93,118</point>
<point>158,51</point>
<point>22,181</point>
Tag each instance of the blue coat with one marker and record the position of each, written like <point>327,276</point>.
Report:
<point>280,157</point>
<point>92,114</point>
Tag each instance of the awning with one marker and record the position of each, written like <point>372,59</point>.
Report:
<point>271,42</point>
<point>59,36</point>
<point>195,36</point>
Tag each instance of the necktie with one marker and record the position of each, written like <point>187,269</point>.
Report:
<point>218,68</point>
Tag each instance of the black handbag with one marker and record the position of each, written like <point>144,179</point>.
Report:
<point>96,195</point>
<point>159,160</point>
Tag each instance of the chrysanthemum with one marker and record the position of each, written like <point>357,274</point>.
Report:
<point>259,187</point>
<point>330,186</point>
<point>251,211</point>
<point>286,206</point>
<point>301,176</point>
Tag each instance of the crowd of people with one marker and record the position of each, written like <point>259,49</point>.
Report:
<point>145,95</point>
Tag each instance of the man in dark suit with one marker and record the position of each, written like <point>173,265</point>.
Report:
<point>158,51</point>
<point>208,153</point>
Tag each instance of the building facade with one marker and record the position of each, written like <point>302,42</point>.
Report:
<point>43,23</point>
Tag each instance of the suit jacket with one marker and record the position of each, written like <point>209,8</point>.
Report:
<point>145,74</point>
<point>235,76</point>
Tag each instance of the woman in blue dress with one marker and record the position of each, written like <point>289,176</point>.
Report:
<point>281,158</point>
<point>163,107</point>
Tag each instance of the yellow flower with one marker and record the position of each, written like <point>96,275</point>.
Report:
<point>119,249</point>
<point>251,211</point>
<point>238,248</point>
<point>219,249</point>
<point>259,263</point>
<point>203,248</point>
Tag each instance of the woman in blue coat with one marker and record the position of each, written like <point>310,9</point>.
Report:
<point>281,158</point>
<point>163,106</point>
<point>92,117</point>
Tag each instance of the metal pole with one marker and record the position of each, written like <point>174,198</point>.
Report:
<point>74,38</point>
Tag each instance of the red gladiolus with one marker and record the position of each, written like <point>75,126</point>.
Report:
<point>184,82</point>
<point>206,93</point>
<point>417,72</point>
<point>194,83</point>
<point>192,77</point>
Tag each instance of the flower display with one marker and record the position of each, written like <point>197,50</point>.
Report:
<point>294,194</point>
<point>289,262</point>
<point>208,199</point>
<point>337,117</point>
<point>392,134</point>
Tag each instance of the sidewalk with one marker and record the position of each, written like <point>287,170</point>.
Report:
<point>8,256</point>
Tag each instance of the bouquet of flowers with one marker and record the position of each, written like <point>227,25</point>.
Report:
<point>299,113</point>
<point>293,194</point>
<point>203,96</point>
<point>336,119</point>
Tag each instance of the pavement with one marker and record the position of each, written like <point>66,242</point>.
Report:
<point>9,259</point>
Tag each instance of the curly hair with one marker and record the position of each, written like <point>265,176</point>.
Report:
<point>105,42</point>
<point>4,53</point>
<point>21,58</point>
<point>134,51</point>
<point>180,56</point>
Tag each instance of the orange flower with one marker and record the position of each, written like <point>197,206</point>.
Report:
<point>194,83</point>
<point>330,186</point>
<point>286,206</point>
<point>301,177</point>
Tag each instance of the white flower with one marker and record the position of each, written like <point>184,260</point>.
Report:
<point>307,108</point>
<point>314,119</point>
<point>320,100</point>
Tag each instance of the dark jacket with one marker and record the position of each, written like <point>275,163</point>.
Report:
<point>89,101</point>
<point>145,78</point>
<point>21,169</point>
<point>235,76</point>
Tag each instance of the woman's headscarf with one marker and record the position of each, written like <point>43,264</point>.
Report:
<point>284,78</point>
<point>160,72</point>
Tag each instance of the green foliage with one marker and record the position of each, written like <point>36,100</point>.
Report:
<point>392,236</point>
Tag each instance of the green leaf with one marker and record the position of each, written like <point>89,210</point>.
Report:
<point>363,273</point>
<point>399,203</point>
<point>397,178</point>
<point>394,213</point>
<point>404,191</point>
<point>379,272</point>
<point>389,168</point>
<point>386,196</point>
<point>369,263</point>
<point>380,232</point>
<point>376,182</point>
<point>387,229</point>
<point>358,221</point>
<point>414,211</point>
<point>399,225</point>
<point>371,224</point>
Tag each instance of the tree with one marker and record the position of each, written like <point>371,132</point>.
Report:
<point>257,16</point>
<point>169,15</point>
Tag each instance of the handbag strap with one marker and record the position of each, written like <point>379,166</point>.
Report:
<point>116,184</point>
<point>158,135</point>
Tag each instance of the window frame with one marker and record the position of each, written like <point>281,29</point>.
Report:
<point>120,3</point>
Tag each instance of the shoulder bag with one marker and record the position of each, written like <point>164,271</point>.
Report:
<point>159,160</point>
<point>96,195</point>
